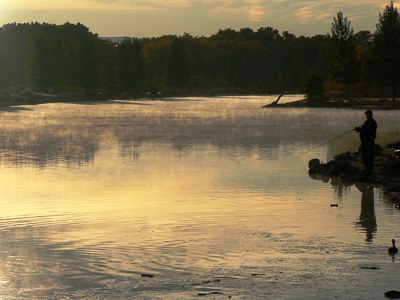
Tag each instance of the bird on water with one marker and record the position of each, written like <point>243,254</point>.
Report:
<point>393,249</point>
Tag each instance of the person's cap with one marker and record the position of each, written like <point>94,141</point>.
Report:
<point>368,112</point>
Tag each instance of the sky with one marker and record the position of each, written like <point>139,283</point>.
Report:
<point>152,18</point>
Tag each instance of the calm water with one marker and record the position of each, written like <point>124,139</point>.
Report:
<point>209,195</point>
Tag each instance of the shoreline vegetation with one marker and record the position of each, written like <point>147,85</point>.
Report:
<point>41,62</point>
<point>29,97</point>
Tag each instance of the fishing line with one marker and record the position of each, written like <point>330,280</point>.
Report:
<point>324,143</point>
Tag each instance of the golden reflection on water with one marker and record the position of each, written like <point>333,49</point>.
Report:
<point>96,194</point>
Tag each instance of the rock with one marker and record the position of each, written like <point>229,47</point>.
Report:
<point>210,293</point>
<point>378,149</point>
<point>370,268</point>
<point>346,155</point>
<point>395,201</point>
<point>344,165</point>
<point>362,176</point>
<point>334,168</point>
<point>349,179</point>
<point>333,171</point>
<point>317,176</point>
<point>395,145</point>
<point>392,164</point>
<point>392,294</point>
<point>314,163</point>
<point>347,168</point>
<point>315,166</point>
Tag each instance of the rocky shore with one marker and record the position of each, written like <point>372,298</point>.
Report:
<point>347,168</point>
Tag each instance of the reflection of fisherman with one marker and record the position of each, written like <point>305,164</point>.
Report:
<point>367,216</point>
<point>367,136</point>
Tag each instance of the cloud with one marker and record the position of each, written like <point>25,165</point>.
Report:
<point>302,11</point>
<point>256,10</point>
<point>256,13</point>
<point>283,14</point>
<point>310,11</point>
<point>314,11</point>
<point>252,9</point>
<point>93,5</point>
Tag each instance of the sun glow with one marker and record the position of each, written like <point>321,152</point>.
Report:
<point>198,17</point>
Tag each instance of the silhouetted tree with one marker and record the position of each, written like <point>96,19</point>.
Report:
<point>109,76</point>
<point>344,63</point>
<point>387,46</point>
<point>312,83</point>
<point>177,71</point>
<point>69,57</point>
<point>47,68</point>
<point>138,65</point>
<point>87,67</point>
<point>125,64</point>
<point>363,41</point>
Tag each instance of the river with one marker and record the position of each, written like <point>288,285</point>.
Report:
<point>187,197</point>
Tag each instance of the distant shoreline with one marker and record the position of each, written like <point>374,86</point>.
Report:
<point>34,98</point>
<point>41,98</point>
<point>360,103</point>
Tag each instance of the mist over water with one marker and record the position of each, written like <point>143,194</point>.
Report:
<point>206,194</point>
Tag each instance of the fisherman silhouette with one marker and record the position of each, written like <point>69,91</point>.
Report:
<point>367,136</point>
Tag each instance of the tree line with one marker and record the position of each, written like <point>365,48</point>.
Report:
<point>69,58</point>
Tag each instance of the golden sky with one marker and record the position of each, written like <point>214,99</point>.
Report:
<point>147,18</point>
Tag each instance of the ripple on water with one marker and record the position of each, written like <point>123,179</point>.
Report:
<point>208,196</point>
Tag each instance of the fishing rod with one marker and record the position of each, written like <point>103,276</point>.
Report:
<point>327,142</point>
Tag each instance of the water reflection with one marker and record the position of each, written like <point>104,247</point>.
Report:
<point>367,215</point>
<point>72,134</point>
<point>367,218</point>
<point>93,195</point>
<point>47,145</point>
<point>33,267</point>
<point>341,190</point>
